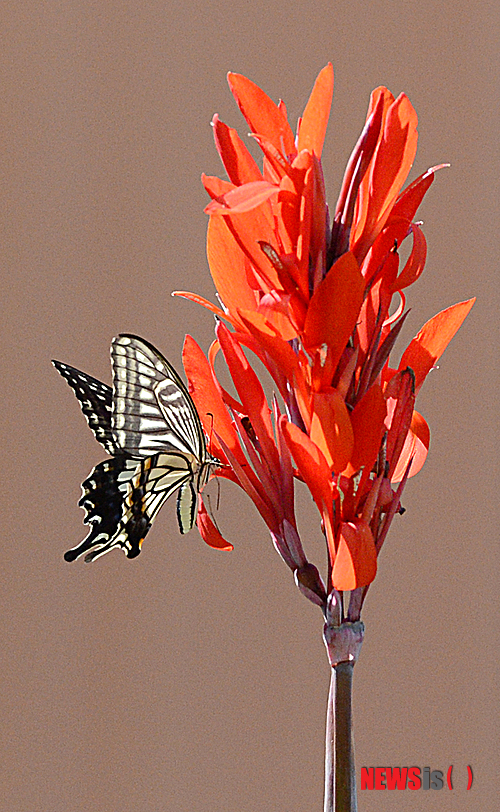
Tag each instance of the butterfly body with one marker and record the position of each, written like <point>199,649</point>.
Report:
<point>149,425</point>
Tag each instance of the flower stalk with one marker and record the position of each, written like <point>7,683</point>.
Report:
<point>343,644</point>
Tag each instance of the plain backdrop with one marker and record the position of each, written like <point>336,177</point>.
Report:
<point>189,679</point>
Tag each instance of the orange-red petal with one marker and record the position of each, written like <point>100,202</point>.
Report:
<point>331,428</point>
<point>317,111</point>
<point>355,562</point>
<point>208,531</point>
<point>250,392</point>
<point>194,297</point>
<point>367,420</point>
<point>415,263</point>
<point>415,448</point>
<point>205,391</point>
<point>311,463</point>
<point>228,266</point>
<point>239,164</point>
<point>262,114</point>
<point>389,169</point>
<point>334,307</point>
<point>429,344</point>
<point>243,198</point>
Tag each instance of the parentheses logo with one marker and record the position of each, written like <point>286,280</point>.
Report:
<point>448,777</point>
<point>471,777</point>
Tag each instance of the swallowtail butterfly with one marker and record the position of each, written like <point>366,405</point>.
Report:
<point>149,425</point>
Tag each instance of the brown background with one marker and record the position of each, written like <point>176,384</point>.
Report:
<point>188,679</point>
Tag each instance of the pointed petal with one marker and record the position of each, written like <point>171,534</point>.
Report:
<point>208,531</point>
<point>239,164</point>
<point>277,346</point>
<point>249,229</point>
<point>331,428</point>
<point>415,448</point>
<point>334,307</point>
<point>228,267</point>
<point>359,162</point>
<point>380,102</point>
<point>262,114</point>
<point>194,297</point>
<point>275,163</point>
<point>367,420</point>
<point>216,187</point>
<point>251,393</point>
<point>410,199</point>
<point>415,263</point>
<point>243,198</point>
<point>356,559</point>
<point>400,394</point>
<point>388,171</point>
<point>315,118</point>
<point>286,469</point>
<point>311,463</point>
<point>205,391</point>
<point>429,344</point>
<point>253,487</point>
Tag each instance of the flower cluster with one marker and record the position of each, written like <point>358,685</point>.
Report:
<point>311,296</point>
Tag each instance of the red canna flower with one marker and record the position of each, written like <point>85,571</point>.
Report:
<point>312,299</point>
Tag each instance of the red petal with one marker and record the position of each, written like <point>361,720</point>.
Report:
<point>249,229</point>
<point>334,307</point>
<point>239,164</point>
<point>243,198</point>
<point>331,428</point>
<point>429,344</point>
<point>252,486</point>
<point>358,163</point>
<point>208,531</point>
<point>400,396</point>
<point>389,169</point>
<point>216,187</point>
<point>228,267</point>
<point>204,389</point>
<point>315,118</point>
<point>367,420</point>
<point>408,201</point>
<point>262,114</point>
<point>311,463</point>
<point>356,559</point>
<point>251,393</point>
<point>194,297</point>
<point>415,263</point>
<point>276,345</point>
<point>415,448</point>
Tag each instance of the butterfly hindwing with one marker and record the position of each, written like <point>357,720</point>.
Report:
<point>146,488</point>
<point>104,492</point>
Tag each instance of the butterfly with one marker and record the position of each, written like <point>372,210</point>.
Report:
<point>149,426</point>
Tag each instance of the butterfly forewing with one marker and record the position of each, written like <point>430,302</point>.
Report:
<point>95,399</point>
<point>152,410</point>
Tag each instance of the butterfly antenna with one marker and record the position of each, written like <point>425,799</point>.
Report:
<point>208,501</point>
<point>209,414</point>
<point>218,494</point>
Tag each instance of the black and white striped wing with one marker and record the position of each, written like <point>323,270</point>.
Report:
<point>104,494</point>
<point>121,504</point>
<point>152,409</point>
<point>95,399</point>
<point>150,427</point>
